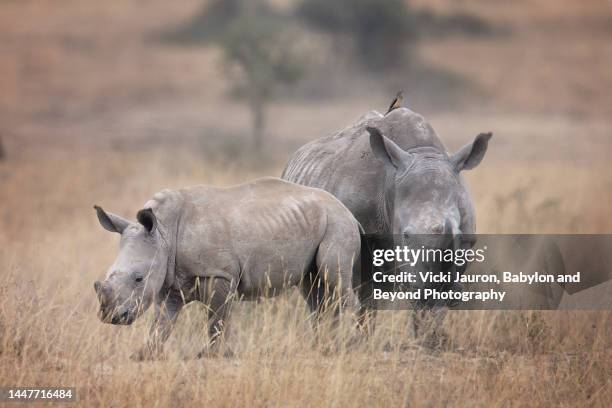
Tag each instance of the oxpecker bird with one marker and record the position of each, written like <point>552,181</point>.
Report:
<point>397,101</point>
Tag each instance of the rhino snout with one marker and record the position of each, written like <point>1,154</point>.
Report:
<point>116,317</point>
<point>109,311</point>
<point>122,318</point>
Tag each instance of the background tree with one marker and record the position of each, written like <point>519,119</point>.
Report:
<point>256,40</point>
<point>261,45</point>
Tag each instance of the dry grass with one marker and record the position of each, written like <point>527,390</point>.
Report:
<point>93,112</point>
<point>53,249</point>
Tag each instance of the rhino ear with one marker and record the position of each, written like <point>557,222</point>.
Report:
<point>470,155</point>
<point>384,148</point>
<point>147,219</point>
<point>110,221</point>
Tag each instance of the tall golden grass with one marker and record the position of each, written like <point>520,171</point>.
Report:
<point>52,249</point>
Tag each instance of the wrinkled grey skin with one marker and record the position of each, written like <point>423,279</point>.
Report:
<point>393,173</point>
<point>214,244</point>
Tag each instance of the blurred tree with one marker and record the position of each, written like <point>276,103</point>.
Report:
<point>256,40</point>
<point>379,28</point>
<point>261,46</point>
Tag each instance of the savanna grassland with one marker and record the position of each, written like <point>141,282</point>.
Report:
<point>95,111</point>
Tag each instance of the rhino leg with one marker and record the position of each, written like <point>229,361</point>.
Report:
<point>217,294</point>
<point>364,283</point>
<point>328,287</point>
<point>313,292</point>
<point>166,312</point>
<point>366,317</point>
<point>326,309</point>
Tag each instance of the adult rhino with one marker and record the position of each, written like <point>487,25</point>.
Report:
<point>394,174</point>
<point>213,244</point>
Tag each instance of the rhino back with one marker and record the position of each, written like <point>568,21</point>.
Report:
<point>265,228</point>
<point>343,164</point>
<point>408,130</point>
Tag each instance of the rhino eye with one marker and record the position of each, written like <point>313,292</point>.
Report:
<point>138,279</point>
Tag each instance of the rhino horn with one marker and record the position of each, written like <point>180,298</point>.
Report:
<point>103,291</point>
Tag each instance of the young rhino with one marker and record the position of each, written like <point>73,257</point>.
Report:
<point>216,244</point>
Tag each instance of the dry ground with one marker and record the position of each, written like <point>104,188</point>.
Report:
<point>93,112</point>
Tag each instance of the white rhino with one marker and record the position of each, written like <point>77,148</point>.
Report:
<point>217,244</point>
<point>394,174</point>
